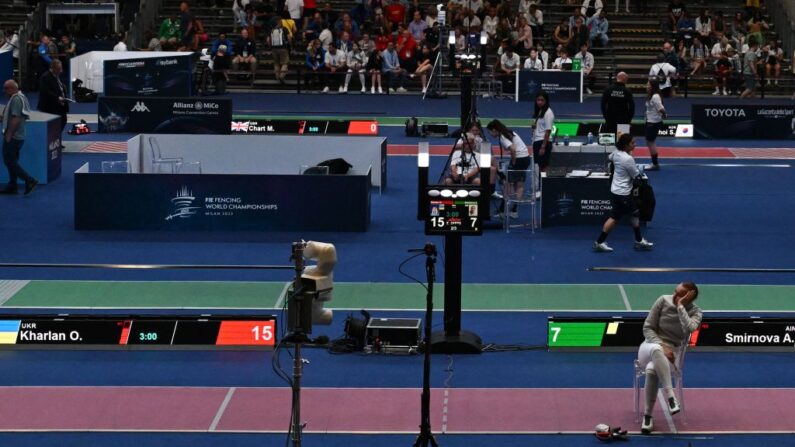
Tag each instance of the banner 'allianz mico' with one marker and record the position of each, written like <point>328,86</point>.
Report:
<point>158,76</point>
<point>164,115</point>
<point>745,121</point>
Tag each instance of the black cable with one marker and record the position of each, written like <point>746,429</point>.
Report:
<point>493,347</point>
<point>400,270</point>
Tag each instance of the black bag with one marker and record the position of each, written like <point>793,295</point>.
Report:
<point>412,128</point>
<point>336,166</point>
<point>83,94</point>
<point>643,194</point>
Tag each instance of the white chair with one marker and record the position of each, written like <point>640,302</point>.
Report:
<point>160,164</point>
<point>676,376</point>
<point>519,189</point>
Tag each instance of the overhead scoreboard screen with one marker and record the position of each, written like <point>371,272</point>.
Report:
<point>147,332</point>
<point>627,333</point>
<point>453,210</point>
<point>306,127</point>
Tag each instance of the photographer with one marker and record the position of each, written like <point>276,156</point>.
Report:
<point>464,168</point>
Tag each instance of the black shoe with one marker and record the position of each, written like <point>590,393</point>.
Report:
<point>9,191</point>
<point>30,186</point>
<point>647,426</point>
<point>673,406</point>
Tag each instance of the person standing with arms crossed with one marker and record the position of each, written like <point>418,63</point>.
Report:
<point>655,113</point>
<point>542,130</point>
<point>625,171</point>
<point>671,320</point>
<point>618,105</point>
<point>15,114</point>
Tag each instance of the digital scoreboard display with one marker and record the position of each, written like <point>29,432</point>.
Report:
<point>306,127</point>
<point>718,333</point>
<point>453,210</point>
<point>113,331</point>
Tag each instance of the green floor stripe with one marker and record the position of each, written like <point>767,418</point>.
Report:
<point>51,294</point>
<point>721,297</point>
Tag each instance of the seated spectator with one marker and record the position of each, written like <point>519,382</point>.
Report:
<point>406,48</point>
<point>379,20</point>
<point>563,58</point>
<point>335,67</point>
<point>720,47</point>
<point>200,36</point>
<point>315,61</point>
<point>471,22</point>
<point>504,30</point>
<point>424,63</point>
<point>152,42</point>
<point>222,40</point>
<point>675,10</point>
<point>279,42</point>
<point>365,44</point>
<point>121,44</point>
<point>587,66</point>
<point>664,73</point>
<point>169,33</point>
<point>573,18</point>
<point>345,44</point>
<point>374,67</point>
<point>562,33</point>
<point>391,69</point>
<point>524,35</point>
<point>382,39</point>
<point>723,69</point>
<point>414,8</point>
<point>534,63</point>
<point>313,29</point>
<point>509,65</point>
<point>418,27</point>
<point>347,24</point>
<point>542,54</point>
<point>772,55</point>
<point>719,27</point>
<point>221,64</point>
<point>395,14</point>
<point>756,28</point>
<point>356,61</point>
<point>670,55</point>
<point>328,14</point>
<point>586,4</point>
<point>524,7</point>
<point>579,35</point>
<point>490,23</point>
<point>738,30</point>
<point>685,29</point>
<point>326,38</point>
<point>704,27</point>
<point>535,18</point>
<point>599,26</point>
<point>698,57</point>
<point>288,23</point>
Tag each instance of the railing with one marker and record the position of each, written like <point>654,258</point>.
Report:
<point>144,19</point>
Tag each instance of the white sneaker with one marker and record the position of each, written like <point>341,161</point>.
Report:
<point>651,167</point>
<point>724,92</point>
<point>343,89</point>
<point>601,248</point>
<point>401,90</point>
<point>391,90</point>
<point>372,90</point>
<point>364,90</point>
<point>325,89</point>
<point>424,89</point>
<point>716,92</point>
<point>644,245</point>
<point>380,90</point>
<point>647,425</point>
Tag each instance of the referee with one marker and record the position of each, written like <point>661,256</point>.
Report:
<point>618,106</point>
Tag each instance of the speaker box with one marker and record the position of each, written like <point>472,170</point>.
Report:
<point>434,129</point>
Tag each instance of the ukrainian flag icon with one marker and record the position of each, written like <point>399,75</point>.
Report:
<point>8,332</point>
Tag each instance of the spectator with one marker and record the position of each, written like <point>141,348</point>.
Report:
<point>534,63</point>
<point>663,72</point>
<point>432,17</point>
<point>356,61</point>
<point>587,66</point>
<point>685,28</point>
<point>424,63</point>
<point>704,27</point>
<point>599,26</point>
<point>186,25</point>
<point>618,105</point>
<point>153,43</point>
<point>756,28</point>
<point>579,36</point>
<point>418,27</point>
<point>200,36</point>
<point>414,8</point>
<point>326,37</point>
<point>382,39</point>
<point>221,64</point>
<point>347,24</point>
<point>542,54</point>
<point>395,14</point>
<point>239,13</point>
<point>562,33</point>
<point>366,44</point>
<point>573,18</point>
<point>723,69</point>
<point>675,10</point>
<point>735,76</point>
<point>345,44</point>
<point>406,48</point>
<point>524,7</point>
<point>313,29</point>
<point>11,43</point>
<point>379,21</point>
<point>535,18</point>
<point>509,65</point>
<point>169,33</point>
<point>335,66</point>
<point>471,22</point>
<point>120,45</point>
<point>222,40</point>
<point>718,26</point>
<point>246,53</point>
<point>328,14</point>
<point>504,30</point>
<point>586,4</point>
<point>310,8</point>
<point>563,58</point>
<point>295,8</point>
<point>315,61</point>
<point>279,42</point>
<point>374,67</point>
<point>490,23</point>
<point>524,38</point>
<point>698,57</point>
<point>738,30</point>
<point>773,55</point>
<point>721,46</point>
<point>391,70</point>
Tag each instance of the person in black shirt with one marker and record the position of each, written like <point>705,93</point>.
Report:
<point>618,106</point>
<point>245,52</point>
<point>186,25</point>
<point>675,10</point>
<point>723,69</point>
<point>52,92</point>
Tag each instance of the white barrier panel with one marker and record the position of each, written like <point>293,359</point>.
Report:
<point>88,67</point>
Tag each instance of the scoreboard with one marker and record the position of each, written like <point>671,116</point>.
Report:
<point>306,127</point>
<point>128,331</point>
<point>714,333</point>
<point>453,210</point>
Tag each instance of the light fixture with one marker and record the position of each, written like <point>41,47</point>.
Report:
<point>485,153</point>
<point>451,39</point>
<point>484,38</point>
<point>423,155</point>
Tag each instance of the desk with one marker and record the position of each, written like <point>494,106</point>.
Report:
<point>41,153</point>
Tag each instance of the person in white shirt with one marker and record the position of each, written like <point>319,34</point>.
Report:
<point>663,72</point>
<point>335,65</point>
<point>720,47</point>
<point>624,172</point>
<point>535,18</point>
<point>587,66</point>
<point>11,43</point>
<point>509,65</point>
<point>655,113</point>
<point>464,167</point>
<point>542,130</point>
<point>543,55</point>
<point>356,60</point>
<point>533,62</point>
<point>325,38</point>
<point>121,46</point>
<point>295,8</point>
<point>490,23</point>
<point>563,58</point>
<point>520,161</point>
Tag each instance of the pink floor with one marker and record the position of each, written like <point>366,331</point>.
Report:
<point>359,410</point>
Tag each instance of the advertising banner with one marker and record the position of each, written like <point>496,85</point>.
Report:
<point>560,85</point>
<point>54,151</point>
<point>164,115</point>
<point>575,201</point>
<point>188,202</point>
<point>159,76</point>
<point>745,121</point>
